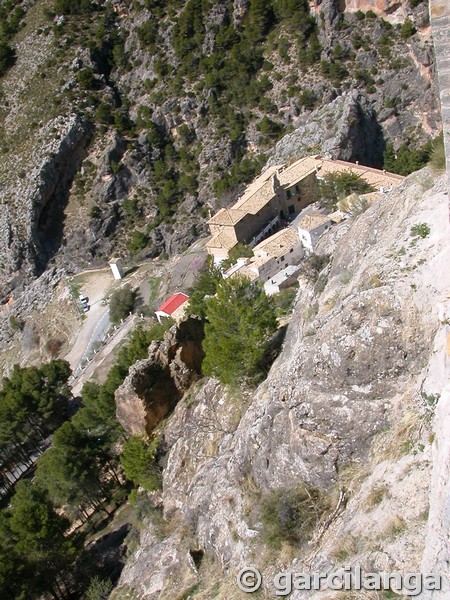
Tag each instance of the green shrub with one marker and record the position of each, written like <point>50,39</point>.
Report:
<point>335,71</point>
<point>15,323</point>
<point>99,589</point>
<point>290,515</point>
<point>86,79</point>
<point>137,242</point>
<point>421,230</point>
<point>147,33</point>
<point>95,212</point>
<point>138,460</point>
<point>284,300</point>
<point>408,29</point>
<point>73,7</point>
<point>269,128</point>
<point>121,304</point>
<point>204,287</point>
<point>313,265</point>
<point>406,159</point>
<point>7,56</point>
<point>336,186</point>
<point>307,99</point>
<point>103,114</point>
<point>131,209</point>
<point>239,251</point>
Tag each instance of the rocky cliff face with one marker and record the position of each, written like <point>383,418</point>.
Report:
<point>32,218</point>
<point>339,130</point>
<point>343,409</point>
<point>155,385</point>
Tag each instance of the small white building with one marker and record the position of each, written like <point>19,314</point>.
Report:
<point>311,227</point>
<point>283,279</point>
<point>174,307</point>
<point>116,268</point>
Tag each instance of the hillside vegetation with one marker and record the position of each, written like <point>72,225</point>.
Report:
<point>179,104</point>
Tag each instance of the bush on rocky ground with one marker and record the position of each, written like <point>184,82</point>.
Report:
<point>122,304</point>
<point>290,515</point>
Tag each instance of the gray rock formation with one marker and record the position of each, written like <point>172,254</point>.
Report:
<point>346,129</point>
<point>343,394</point>
<point>440,21</point>
<point>31,218</point>
<point>155,385</point>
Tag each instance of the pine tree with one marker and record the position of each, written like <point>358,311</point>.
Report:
<point>204,287</point>
<point>241,322</point>
<point>37,543</point>
<point>260,19</point>
<point>138,462</point>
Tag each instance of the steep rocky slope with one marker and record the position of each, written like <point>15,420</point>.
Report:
<point>347,408</point>
<point>124,128</point>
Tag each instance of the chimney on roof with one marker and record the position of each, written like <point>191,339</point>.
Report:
<point>275,183</point>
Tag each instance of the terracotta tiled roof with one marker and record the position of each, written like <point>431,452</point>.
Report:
<point>305,166</point>
<point>297,171</point>
<point>245,271</point>
<point>278,244</point>
<point>375,177</point>
<point>225,239</point>
<point>254,203</point>
<point>258,183</point>
<point>311,222</point>
<point>227,216</point>
<point>259,193</point>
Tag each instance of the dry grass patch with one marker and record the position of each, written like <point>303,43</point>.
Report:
<point>402,437</point>
<point>363,595</point>
<point>352,475</point>
<point>347,547</point>
<point>290,515</point>
<point>376,495</point>
<point>395,527</point>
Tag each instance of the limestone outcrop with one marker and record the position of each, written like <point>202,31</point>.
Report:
<point>32,210</point>
<point>342,410</point>
<point>155,385</point>
<point>345,129</point>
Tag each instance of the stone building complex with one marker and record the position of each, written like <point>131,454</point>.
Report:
<point>276,197</point>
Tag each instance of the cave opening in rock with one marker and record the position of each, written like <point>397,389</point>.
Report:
<point>197,557</point>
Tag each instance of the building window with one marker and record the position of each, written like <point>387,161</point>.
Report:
<point>289,193</point>
<point>291,209</point>
<point>291,250</point>
<point>297,188</point>
<point>282,258</point>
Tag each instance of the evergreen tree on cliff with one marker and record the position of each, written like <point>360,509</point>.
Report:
<point>241,323</point>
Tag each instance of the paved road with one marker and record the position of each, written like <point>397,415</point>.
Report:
<point>116,337</point>
<point>98,335</point>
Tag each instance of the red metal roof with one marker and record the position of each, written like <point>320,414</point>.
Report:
<point>174,302</point>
